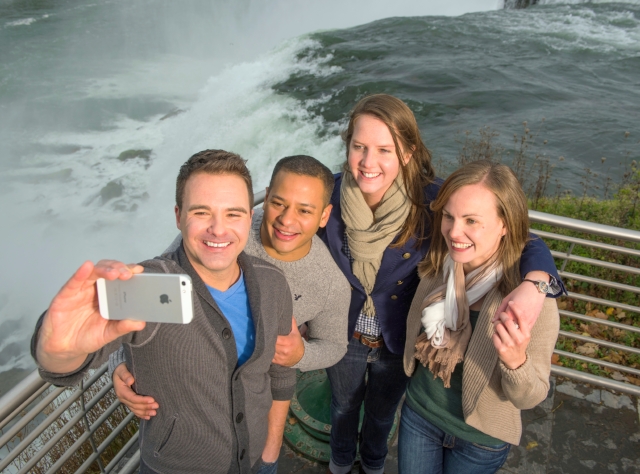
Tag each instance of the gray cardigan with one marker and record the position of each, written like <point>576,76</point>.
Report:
<point>213,416</point>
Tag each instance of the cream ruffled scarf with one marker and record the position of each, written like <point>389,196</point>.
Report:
<point>370,234</point>
<point>445,316</point>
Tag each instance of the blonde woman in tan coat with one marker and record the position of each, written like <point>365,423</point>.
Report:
<point>471,375</point>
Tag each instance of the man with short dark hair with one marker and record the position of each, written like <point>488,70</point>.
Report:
<point>214,377</point>
<point>283,234</point>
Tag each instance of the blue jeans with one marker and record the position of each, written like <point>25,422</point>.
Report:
<point>424,448</point>
<point>375,377</point>
<point>268,467</point>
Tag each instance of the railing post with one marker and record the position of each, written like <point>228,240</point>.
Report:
<point>566,260</point>
<point>88,426</point>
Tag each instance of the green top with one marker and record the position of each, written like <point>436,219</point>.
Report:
<point>443,406</point>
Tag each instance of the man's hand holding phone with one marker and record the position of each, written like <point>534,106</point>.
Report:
<point>150,297</point>
<point>72,328</point>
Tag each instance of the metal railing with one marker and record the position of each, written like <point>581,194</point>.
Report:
<point>38,419</point>
<point>34,408</point>
<point>620,237</point>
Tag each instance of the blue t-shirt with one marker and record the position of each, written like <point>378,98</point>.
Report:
<point>234,304</point>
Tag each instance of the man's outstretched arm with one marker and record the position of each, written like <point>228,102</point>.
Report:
<point>72,327</point>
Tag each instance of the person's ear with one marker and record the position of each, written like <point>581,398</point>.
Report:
<point>177,211</point>
<point>326,213</point>
<point>406,157</point>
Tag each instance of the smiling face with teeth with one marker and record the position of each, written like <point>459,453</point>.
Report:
<point>373,159</point>
<point>215,220</point>
<point>471,226</point>
<point>294,209</point>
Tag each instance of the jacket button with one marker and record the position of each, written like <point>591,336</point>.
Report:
<point>394,297</point>
<point>242,455</point>
<point>400,282</point>
<point>352,288</point>
<point>406,255</point>
<point>226,334</point>
<point>239,417</point>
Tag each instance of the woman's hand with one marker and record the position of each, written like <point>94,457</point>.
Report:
<point>510,339</point>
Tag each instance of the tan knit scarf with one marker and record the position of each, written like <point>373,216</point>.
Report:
<point>370,234</point>
<point>445,316</point>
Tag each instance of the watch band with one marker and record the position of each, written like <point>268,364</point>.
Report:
<point>541,286</point>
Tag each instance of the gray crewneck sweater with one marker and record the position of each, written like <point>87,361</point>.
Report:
<point>321,296</point>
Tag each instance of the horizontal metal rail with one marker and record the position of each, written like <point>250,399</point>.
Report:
<point>603,322</point>
<point>133,464</point>
<point>600,342</point>
<point>599,282</point>
<point>603,363</point>
<point>24,406</point>
<point>585,377</point>
<point>603,302</point>
<point>16,399</point>
<point>125,449</point>
<point>588,243</point>
<point>585,226</point>
<point>596,263</point>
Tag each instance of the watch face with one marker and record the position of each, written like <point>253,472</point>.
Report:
<point>543,287</point>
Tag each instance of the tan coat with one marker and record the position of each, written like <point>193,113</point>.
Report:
<point>492,394</point>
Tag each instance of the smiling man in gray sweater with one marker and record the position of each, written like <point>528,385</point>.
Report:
<point>214,377</point>
<point>283,234</point>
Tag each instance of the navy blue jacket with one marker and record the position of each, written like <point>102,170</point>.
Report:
<point>397,277</point>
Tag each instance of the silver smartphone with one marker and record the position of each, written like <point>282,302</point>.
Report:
<point>151,297</point>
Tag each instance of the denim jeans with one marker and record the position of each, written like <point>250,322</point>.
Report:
<point>268,467</point>
<point>375,377</point>
<point>424,448</point>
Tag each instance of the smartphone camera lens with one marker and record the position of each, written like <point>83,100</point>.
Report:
<point>184,283</point>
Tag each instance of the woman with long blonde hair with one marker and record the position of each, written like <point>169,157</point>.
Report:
<point>474,375</point>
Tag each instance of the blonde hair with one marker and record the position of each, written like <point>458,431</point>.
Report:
<point>511,207</point>
<point>417,173</point>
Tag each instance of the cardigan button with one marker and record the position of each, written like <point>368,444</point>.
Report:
<point>400,282</point>
<point>239,418</point>
<point>394,297</point>
<point>406,255</point>
<point>226,334</point>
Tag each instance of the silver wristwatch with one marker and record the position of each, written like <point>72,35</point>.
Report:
<point>542,286</point>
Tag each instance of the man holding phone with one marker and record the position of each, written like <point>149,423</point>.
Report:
<point>216,387</point>
<point>283,233</point>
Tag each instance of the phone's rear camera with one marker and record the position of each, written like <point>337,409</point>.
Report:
<point>184,283</point>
